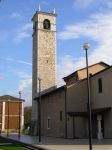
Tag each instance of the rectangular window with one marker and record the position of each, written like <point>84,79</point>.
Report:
<point>48,123</point>
<point>100,85</point>
<point>61,115</point>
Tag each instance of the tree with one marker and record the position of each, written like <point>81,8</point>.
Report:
<point>27,116</point>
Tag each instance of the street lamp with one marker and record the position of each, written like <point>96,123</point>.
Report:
<point>19,130</point>
<point>86,47</point>
<point>39,110</point>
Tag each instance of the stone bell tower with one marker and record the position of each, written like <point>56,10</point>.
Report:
<point>44,54</point>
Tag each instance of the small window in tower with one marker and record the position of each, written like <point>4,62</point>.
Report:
<point>46,24</point>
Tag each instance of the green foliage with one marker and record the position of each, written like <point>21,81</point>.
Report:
<point>27,116</point>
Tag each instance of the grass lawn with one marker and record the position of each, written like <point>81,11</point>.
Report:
<point>12,147</point>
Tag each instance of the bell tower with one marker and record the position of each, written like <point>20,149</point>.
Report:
<point>44,54</point>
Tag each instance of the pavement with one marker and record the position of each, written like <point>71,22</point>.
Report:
<point>63,144</point>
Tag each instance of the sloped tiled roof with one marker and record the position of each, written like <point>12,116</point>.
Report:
<point>72,74</point>
<point>9,97</point>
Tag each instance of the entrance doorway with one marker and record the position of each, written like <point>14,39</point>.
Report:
<point>100,131</point>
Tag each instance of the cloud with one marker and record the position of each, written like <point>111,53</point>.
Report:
<point>98,29</point>
<point>101,5</point>
<point>25,82</point>
<point>23,33</point>
<point>78,3</point>
<point>67,62</point>
<point>17,61</point>
<point>15,15</point>
<point>25,86</point>
<point>71,65</point>
<point>44,3</point>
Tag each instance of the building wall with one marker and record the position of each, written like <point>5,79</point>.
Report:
<point>72,80</point>
<point>77,102</point>
<point>13,114</point>
<point>9,114</point>
<point>13,123</point>
<point>77,97</point>
<point>44,57</point>
<point>44,52</point>
<point>104,99</point>
<point>51,107</point>
<point>13,108</point>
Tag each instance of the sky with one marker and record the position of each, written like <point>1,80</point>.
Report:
<point>78,21</point>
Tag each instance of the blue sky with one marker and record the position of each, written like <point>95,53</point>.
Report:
<point>78,21</point>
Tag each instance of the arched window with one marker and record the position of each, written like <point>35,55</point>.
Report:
<point>46,24</point>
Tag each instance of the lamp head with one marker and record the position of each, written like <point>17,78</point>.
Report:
<point>86,46</point>
<point>19,92</point>
<point>39,79</point>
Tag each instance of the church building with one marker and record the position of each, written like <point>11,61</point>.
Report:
<point>64,109</point>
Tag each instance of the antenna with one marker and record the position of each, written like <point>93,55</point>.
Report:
<point>39,9</point>
<point>54,11</point>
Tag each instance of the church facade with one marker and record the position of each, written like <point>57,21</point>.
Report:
<point>64,109</point>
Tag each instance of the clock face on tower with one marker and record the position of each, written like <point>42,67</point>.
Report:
<point>46,24</point>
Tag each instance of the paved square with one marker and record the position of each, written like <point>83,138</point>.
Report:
<point>77,147</point>
<point>64,144</point>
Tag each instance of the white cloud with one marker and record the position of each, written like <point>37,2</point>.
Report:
<point>25,86</point>
<point>24,83</point>
<point>84,4</point>
<point>78,3</point>
<point>98,28</point>
<point>17,61</point>
<point>44,3</point>
<point>64,68</point>
<point>15,15</point>
<point>23,33</point>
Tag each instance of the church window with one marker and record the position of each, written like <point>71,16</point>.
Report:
<point>100,85</point>
<point>61,115</point>
<point>48,123</point>
<point>46,24</point>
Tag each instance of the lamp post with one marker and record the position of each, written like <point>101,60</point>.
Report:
<point>19,129</point>
<point>39,110</point>
<point>8,118</point>
<point>86,47</point>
